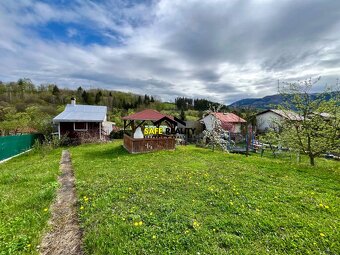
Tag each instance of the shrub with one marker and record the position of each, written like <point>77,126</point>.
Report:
<point>117,134</point>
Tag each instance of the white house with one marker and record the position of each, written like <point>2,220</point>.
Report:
<point>271,119</point>
<point>229,121</point>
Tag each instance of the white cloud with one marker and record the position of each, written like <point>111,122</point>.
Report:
<point>223,50</point>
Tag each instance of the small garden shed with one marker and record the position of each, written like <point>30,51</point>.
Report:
<point>82,121</point>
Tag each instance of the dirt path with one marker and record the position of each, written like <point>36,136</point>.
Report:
<point>64,236</point>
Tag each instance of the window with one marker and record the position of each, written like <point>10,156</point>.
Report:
<point>80,126</point>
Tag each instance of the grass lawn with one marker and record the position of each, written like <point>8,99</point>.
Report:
<point>27,187</point>
<point>194,201</point>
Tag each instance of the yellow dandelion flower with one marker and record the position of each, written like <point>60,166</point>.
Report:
<point>320,205</point>
<point>45,210</point>
<point>153,237</point>
<point>322,234</point>
<point>140,223</point>
<point>326,207</point>
<point>195,224</point>
<point>186,231</point>
<point>231,203</point>
<point>257,209</point>
<point>214,230</point>
<point>135,224</point>
<point>312,193</point>
<point>151,213</point>
<point>28,245</point>
<point>82,208</point>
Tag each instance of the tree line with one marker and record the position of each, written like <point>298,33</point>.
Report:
<point>185,103</point>
<point>26,107</point>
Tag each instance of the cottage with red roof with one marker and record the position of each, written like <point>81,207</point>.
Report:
<point>229,121</point>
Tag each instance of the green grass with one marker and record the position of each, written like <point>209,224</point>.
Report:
<point>27,186</point>
<point>194,201</point>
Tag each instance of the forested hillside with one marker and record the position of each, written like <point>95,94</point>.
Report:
<point>26,107</point>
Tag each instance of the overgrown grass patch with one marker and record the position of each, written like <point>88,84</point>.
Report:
<point>194,201</point>
<point>27,188</point>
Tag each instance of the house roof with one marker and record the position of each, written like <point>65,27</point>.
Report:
<point>284,113</point>
<point>147,114</point>
<point>82,113</point>
<point>229,117</point>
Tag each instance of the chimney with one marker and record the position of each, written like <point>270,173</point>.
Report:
<point>73,101</point>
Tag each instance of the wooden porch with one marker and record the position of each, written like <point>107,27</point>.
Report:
<point>141,145</point>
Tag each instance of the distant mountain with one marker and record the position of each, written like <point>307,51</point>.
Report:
<point>259,103</point>
<point>266,102</point>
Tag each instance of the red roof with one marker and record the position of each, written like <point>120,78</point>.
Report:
<point>229,117</point>
<point>147,114</point>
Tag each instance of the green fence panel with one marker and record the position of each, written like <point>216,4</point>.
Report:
<point>15,144</point>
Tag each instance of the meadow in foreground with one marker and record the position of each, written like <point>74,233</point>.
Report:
<point>194,201</point>
<point>27,188</point>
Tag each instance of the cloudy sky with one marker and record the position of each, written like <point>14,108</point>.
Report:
<point>223,50</point>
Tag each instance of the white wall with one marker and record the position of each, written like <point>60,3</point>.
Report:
<point>208,122</point>
<point>237,128</point>
<point>267,120</point>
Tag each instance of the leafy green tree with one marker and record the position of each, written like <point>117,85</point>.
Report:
<point>98,97</point>
<point>314,129</point>
<point>55,91</point>
<point>182,115</point>
<point>39,120</point>
<point>14,121</point>
<point>140,101</point>
<point>146,99</point>
<point>85,97</point>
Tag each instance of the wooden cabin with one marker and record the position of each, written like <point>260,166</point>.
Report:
<point>82,122</point>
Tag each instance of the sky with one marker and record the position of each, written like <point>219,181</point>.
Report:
<point>222,50</point>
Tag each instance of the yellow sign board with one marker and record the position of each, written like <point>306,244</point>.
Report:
<point>153,131</point>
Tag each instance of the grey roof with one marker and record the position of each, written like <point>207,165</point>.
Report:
<point>284,113</point>
<point>82,113</point>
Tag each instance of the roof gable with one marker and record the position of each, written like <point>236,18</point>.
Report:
<point>284,113</point>
<point>147,114</point>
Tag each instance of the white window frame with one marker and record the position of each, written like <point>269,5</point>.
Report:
<point>74,127</point>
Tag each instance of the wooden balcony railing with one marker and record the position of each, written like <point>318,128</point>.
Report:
<point>133,145</point>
